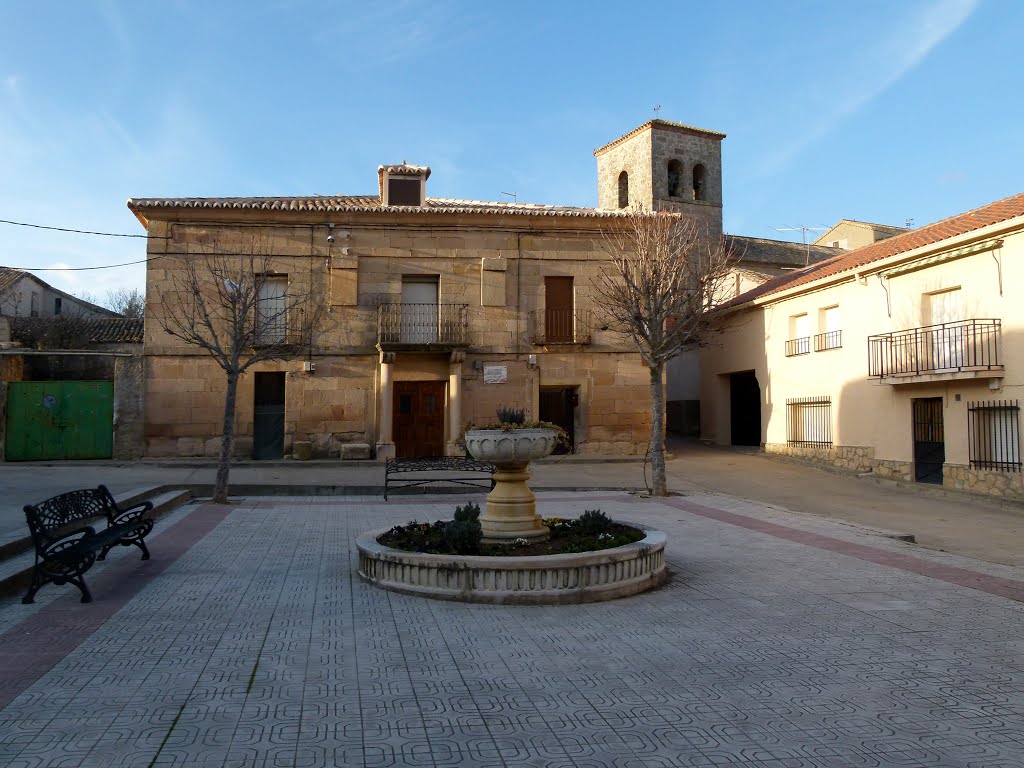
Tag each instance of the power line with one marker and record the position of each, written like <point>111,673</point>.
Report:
<point>81,269</point>
<point>79,231</point>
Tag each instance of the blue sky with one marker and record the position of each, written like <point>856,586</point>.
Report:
<point>880,111</point>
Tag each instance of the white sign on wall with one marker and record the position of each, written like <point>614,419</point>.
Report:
<point>495,374</point>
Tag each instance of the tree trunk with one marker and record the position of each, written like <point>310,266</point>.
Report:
<point>227,442</point>
<point>659,486</point>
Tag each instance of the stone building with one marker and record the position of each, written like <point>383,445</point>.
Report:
<point>902,357</point>
<point>22,294</point>
<point>439,311</point>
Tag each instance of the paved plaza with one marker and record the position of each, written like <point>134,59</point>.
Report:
<point>780,640</point>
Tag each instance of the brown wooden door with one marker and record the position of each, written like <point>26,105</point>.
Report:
<point>558,309</point>
<point>418,417</point>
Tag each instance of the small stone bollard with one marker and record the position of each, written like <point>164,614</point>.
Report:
<point>302,450</point>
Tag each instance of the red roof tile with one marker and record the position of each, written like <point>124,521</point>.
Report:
<point>962,223</point>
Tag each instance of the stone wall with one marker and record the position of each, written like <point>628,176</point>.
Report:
<point>983,481</point>
<point>129,410</point>
<point>634,157</point>
<point>853,458</point>
<point>495,267</point>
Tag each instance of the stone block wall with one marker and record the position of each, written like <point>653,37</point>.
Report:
<point>129,411</point>
<point>983,481</point>
<point>853,458</point>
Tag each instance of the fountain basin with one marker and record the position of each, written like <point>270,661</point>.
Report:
<point>581,577</point>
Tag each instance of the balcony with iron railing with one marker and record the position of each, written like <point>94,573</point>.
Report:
<point>283,332</point>
<point>965,349</point>
<point>422,326</point>
<point>799,346</point>
<point>828,340</point>
<point>561,326</point>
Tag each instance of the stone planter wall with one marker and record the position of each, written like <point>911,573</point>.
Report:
<point>544,580</point>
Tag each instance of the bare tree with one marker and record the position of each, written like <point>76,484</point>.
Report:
<point>663,277</point>
<point>241,310</point>
<point>130,302</point>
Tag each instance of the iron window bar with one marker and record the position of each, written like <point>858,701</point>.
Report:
<point>945,347</point>
<point>828,340</point>
<point>809,421</point>
<point>993,429</point>
<point>800,346</point>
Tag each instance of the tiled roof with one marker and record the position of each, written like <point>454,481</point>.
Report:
<point>8,277</point>
<point>993,213</point>
<point>365,204</point>
<point>683,127</point>
<point>99,330</point>
<point>405,169</point>
<point>783,253</point>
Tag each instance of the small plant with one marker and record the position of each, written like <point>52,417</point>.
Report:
<point>593,522</point>
<point>463,534</point>
<point>514,417</point>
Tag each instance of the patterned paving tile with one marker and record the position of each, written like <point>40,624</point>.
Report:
<point>780,641</point>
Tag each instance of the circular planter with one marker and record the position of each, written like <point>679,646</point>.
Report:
<point>543,580</point>
<point>511,511</point>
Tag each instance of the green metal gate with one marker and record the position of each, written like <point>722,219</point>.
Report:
<point>60,420</point>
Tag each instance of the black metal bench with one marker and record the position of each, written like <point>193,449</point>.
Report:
<point>65,551</point>
<point>459,470</point>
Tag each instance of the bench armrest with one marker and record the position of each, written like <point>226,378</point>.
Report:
<point>131,514</point>
<point>68,540</point>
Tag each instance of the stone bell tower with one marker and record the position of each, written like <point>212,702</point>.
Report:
<point>664,166</point>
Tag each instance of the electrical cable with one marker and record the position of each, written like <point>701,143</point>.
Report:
<point>79,231</point>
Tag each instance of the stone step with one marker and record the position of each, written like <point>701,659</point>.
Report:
<point>16,568</point>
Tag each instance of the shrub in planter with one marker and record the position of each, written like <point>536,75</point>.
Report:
<point>593,522</point>
<point>463,534</point>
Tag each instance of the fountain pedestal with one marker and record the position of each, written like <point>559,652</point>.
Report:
<point>511,511</point>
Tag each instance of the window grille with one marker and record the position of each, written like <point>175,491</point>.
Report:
<point>993,428</point>
<point>809,421</point>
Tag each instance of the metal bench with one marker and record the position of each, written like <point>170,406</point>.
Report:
<point>65,550</point>
<point>458,470</point>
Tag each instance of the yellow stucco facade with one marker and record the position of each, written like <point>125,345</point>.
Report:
<point>874,367</point>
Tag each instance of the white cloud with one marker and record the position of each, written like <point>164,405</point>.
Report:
<point>871,69</point>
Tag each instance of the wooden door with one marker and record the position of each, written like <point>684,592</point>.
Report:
<point>418,419</point>
<point>558,309</point>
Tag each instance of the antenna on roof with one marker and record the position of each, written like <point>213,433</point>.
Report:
<point>657,110</point>
<point>803,233</point>
<point>910,223</point>
<point>515,198</point>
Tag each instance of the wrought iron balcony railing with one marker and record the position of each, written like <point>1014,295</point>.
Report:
<point>965,345</point>
<point>801,346</point>
<point>561,326</point>
<point>414,324</point>
<point>828,340</point>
